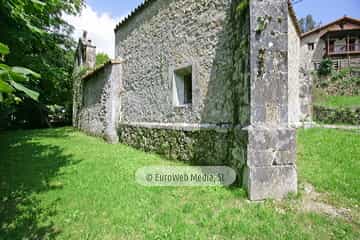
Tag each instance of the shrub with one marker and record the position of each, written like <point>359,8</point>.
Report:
<point>340,75</point>
<point>344,82</point>
<point>330,115</point>
<point>325,67</point>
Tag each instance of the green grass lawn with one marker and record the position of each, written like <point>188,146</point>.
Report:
<point>330,160</point>
<point>338,101</point>
<point>62,184</point>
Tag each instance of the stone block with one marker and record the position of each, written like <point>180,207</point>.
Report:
<point>272,138</point>
<point>270,182</point>
<point>268,158</point>
<point>286,139</point>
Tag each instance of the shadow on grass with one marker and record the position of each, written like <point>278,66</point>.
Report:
<point>27,166</point>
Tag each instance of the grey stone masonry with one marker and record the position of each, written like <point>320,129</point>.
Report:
<point>167,36</point>
<point>98,104</point>
<point>202,81</point>
<point>85,53</point>
<point>270,170</point>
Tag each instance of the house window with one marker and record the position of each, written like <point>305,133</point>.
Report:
<point>351,46</point>
<point>182,89</point>
<point>316,65</point>
<point>332,46</point>
<point>311,46</point>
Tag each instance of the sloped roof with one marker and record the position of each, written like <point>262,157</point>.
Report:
<point>294,18</point>
<point>99,68</point>
<point>146,3</point>
<point>340,20</point>
<point>143,5</point>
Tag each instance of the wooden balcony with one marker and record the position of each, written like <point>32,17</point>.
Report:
<point>341,63</point>
<point>351,49</point>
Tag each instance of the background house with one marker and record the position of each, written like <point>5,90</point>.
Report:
<point>338,40</point>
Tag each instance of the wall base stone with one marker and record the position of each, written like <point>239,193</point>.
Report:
<point>208,145</point>
<point>271,162</point>
<point>273,182</point>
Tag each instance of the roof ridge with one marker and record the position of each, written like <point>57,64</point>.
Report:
<point>141,6</point>
<point>293,16</point>
<point>329,24</point>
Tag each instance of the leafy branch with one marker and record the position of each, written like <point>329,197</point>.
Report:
<point>12,79</point>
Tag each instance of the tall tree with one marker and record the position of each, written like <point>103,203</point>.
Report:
<point>308,23</point>
<point>12,80</point>
<point>40,40</point>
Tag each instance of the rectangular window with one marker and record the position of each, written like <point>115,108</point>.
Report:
<point>351,45</point>
<point>183,86</point>
<point>316,65</point>
<point>311,46</point>
<point>332,46</point>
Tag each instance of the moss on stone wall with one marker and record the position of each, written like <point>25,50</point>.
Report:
<point>237,141</point>
<point>337,115</point>
<point>241,62</point>
<point>198,147</point>
<point>78,93</point>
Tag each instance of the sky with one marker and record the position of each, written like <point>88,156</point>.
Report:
<point>100,17</point>
<point>326,11</point>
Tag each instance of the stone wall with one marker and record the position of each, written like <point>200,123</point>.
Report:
<point>97,102</point>
<point>309,56</point>
<point>92,111</point>
<point>300,82</point>
<point>212,37</point>
<point>239,115</point>
<point>306,67</point>
<point>240,80</point>
<point>193,143</point>
<point>294,72</point>
<point>167,35</point>
<point>306,83</point>
<point>271,163</point>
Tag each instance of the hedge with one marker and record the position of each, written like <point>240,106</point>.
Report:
<point>330,115</point>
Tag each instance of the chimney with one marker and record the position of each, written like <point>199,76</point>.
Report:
<point>86,54</point>
<point>90,55</point>
<point>84,36</point>
<point>89,50</point>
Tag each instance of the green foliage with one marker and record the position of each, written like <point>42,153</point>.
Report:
<point>57,115</point>
<point>243,6</point>
<point>344,82</point>
<point>340,75</point>
<point>5,87</point>
<point>337,115</point>
<point>101,58</point>
<point>4,50</point>
<point>325,68</point>
<point>18,86</point>
<point>10,78</point>
<point>262,23</point>
<point>40,40</point>
<point>25,71</point>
